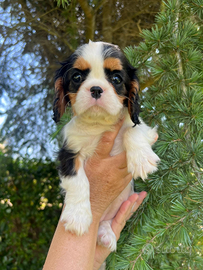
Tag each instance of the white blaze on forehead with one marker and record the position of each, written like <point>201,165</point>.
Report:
<point>92,53</point>
<point>96,57</point>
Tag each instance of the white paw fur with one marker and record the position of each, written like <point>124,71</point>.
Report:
<point>141,158</point>
<point>106,236</point>
<point>76,218</point>
<point>142,162</point>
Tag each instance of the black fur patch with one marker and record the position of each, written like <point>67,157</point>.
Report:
<point>56,116</point>
<point>65,66</point>
<point>110,50</point>
<point>66,158</point>
<point>135,109</point>
<point>128,74</point>
<point>133,95</point>
<point>69,85</point>
<point>120,88</point>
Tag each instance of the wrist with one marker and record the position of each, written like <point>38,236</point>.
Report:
<point>97,210</point>
<point>96,217</point>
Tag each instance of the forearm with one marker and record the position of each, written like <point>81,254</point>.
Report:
<point>68,251</point>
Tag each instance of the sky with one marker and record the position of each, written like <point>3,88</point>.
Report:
<point>17,74</point>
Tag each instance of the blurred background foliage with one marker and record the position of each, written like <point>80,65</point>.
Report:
<point>30,205</point>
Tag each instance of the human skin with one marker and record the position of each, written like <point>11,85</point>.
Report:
<point>107,175</point>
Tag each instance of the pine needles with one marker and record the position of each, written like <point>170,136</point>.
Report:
<point>167,232</point>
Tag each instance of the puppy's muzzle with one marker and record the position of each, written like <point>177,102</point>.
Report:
<point>96,92</point>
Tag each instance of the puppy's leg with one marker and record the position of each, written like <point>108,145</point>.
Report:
<point>106,236</point>
<point>140,156</point>
<point>76,215</point>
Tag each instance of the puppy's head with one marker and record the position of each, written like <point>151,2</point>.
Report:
<point>96,79</point>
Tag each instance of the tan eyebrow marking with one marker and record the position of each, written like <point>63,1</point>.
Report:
<point>81,64</point>
<point>113,64</point>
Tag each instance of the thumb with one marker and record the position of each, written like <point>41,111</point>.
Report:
<point>106,142</point>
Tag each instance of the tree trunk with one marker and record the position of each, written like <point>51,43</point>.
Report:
<point>89,20</point>
<point>107,22</point>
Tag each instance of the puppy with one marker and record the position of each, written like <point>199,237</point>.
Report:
<point>101,86</point>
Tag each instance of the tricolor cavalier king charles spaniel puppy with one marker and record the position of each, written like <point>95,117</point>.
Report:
<point>101,86</point>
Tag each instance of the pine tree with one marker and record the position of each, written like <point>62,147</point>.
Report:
<point>167,231</point>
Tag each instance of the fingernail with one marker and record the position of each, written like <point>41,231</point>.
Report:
<point>145,194</point>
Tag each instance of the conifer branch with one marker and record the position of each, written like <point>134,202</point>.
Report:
<point>180,65</point>
<point>170,58</point>
<point>149,82</point>
<point>151,240</point>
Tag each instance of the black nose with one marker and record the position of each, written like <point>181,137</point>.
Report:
<point>96,92</point>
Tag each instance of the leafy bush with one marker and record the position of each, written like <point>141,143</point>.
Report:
<point>30,205</point>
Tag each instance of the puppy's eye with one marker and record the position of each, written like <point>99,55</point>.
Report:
<point>116,79</point>
<point>77,77</point>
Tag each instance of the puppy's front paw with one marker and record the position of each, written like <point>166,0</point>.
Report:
<point>142,162</point>
<point>106,236</point>
<point>76,219</point>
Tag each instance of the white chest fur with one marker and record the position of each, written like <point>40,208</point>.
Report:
<point>83,139</point>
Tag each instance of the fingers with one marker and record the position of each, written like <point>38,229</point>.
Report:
<point>140,199</point>
<point>137,203</point>
<point>107,141</point>
<point>125,211</point>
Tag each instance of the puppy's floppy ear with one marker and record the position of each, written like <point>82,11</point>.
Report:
<point>133,97</point>
<point>60,101</point>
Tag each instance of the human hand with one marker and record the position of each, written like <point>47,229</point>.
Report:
<point>107,174</point>
<point>124,213</point>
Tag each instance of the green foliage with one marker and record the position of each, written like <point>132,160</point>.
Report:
<point>167,231</point>
<point>30,205</point>
<point>64,3</point>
